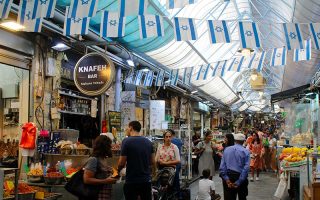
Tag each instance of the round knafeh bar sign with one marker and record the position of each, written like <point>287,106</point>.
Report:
<point>93,74</point>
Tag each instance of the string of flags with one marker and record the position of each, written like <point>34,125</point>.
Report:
<point>79,13</point>
<point>203,72</point>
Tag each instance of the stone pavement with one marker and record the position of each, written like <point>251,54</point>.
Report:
<point>258,190</point>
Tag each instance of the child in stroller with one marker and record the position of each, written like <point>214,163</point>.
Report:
<point>163,189</point>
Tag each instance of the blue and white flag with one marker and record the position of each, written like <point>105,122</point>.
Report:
<point>132,7</point>
<point>303,54</point>
<point>174,76</point>
<point>112,25</point>
<point>139,77</point>
<point>184,29</point>
<point>219,68</point>
<point>171,4</point>
<point>148,79</point>
<point>203,72</point>
<point>151,26</point>
<point>5,6</point>
<point>160,78</point>
<point>32,25</point>
<point>279,57</point>
<point>75,26</point>
<point>236,64</point>
<point>34,9</point>
<point>129,79</point>
<point>293,36</point>
<point>249,35</point>
<point>218,31</point>
<point>315,33</point>
<point>256,61</point>
<point>83,8</point>
<point>224,1</point>
<point>187,74</point>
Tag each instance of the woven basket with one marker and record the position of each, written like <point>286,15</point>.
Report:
<point>82,151</point>
<point>66,151</point>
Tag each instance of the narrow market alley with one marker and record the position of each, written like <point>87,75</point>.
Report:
<point>258,190</point>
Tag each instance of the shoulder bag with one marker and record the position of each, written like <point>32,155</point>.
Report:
<point>77,187</point>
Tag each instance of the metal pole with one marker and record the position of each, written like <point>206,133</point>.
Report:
<point>118,89</point>
<point>102,110</point>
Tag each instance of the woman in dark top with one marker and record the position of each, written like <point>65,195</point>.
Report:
<point>97,171</point>
<point>228,140</point>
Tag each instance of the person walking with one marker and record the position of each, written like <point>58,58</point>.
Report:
<point>257,152</point>
<point>179,144</point>
<point>97,171</point>
<point>234,170</point>
<point>138,155</point>
<point>206,149</point>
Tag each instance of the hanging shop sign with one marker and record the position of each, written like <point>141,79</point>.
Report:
<point>93,74</point>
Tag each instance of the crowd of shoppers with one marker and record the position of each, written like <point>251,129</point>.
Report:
<point>240,154</point>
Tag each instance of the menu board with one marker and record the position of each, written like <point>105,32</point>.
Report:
<point>128,110</point>
<point>157,114</point>
<point>114,120</point>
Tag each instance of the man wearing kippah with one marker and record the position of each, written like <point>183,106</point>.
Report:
<point>234,169</point>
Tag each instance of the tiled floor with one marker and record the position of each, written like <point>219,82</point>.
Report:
<point>258,190</point>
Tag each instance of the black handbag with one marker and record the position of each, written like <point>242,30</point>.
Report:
<point>77,187</point>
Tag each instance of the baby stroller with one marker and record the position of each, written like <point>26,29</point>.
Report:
<point>163,189</point>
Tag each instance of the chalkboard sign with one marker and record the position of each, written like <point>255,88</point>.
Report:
<point>93,74</point>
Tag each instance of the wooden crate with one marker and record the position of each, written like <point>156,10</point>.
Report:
<point>306,193</point>
<point>315,191</point>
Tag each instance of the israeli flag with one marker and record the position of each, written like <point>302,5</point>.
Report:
<point>83,8</point>
<point>219,68</point>
<point>203,72</point>
<point>139,77</point>
<point>160,78</point>
<point>32,25</point>
<point>303,54</point>
<point>279,57</point>
<point>5,6</point>
<point>171,4</point>
<point>151,26</point>
<point>33,9</point>
<point>184,29</point>
<point>256,61</point>
<point>148,79</point>
<point>249,35</point>
<point>129,79</point>
<point>75,26</point>
<point>218,31</point>
<point>174,76</point>
<point>187,75</point>
<point>132,7</point>
<point>315,33</point>
<point>112,25</point>
<point>224,1</point>
<point>293,36</point>
<point>236,64</point>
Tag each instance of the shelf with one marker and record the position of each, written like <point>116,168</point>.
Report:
<point>74,95</point>
<point>44,185</point>
<point>72,155</point>
<point>8,169</point>
<point>71,113</point>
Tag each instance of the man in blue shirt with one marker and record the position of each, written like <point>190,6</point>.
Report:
<point>234,170</point>
<point>178,143</point>
<point>137,154</point>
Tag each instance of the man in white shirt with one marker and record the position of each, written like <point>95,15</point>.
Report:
<point>207,187</point>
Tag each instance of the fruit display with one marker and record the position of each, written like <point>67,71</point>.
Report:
<point>293,156</point>
<point>54,175</point>
<point>24,188</point>
<point>71,170</point>
<point>116,147</point>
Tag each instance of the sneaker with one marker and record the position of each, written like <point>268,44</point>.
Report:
<point>251,179</point>
<point>257,179</point>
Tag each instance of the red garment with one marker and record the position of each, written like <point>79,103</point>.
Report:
<point>28,137</point>
<point>257,152</point>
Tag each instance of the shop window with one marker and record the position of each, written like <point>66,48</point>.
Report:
<point>14,100</point>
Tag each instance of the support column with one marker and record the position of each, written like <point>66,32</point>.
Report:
<point>117,95</point>
<point>202,127</point>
